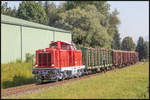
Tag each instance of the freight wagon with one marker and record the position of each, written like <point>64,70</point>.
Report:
<point>96,59</point>
<point>124,58</point>
<point>63,61</point>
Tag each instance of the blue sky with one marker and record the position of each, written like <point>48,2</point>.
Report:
<point>134,17</point>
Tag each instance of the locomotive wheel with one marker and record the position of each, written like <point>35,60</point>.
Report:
<point>57,79</point>
<point>62,78</point>
<point>65,76</point>
<point>77,76</point>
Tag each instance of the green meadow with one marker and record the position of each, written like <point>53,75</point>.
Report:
<point>131,82</point>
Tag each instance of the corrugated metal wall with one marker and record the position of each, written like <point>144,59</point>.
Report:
<point>62,36</point>
<point>10,43</point>
<point>17,40</point>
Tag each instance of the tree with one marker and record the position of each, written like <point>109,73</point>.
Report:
<point>51,13</point>
<point>32,11</point>
<point>46,3</point>
<point>5,9</point>
<point>116,41</point>
<point>13,12</point>
<point>86,25</point>
<point>91,22</point>
<point>40,2</point>
<point>102,6</point>
<point>128,44</point>
<point>113,21</point>
<point>140,47</point>
<point>146,50</point>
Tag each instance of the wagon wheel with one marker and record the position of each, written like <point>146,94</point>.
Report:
<point>41,81</point>
<point>119,63</point>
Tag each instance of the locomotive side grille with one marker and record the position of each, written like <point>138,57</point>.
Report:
<point>49,59</point>
<point>40,56</point>
<point>44,59</point>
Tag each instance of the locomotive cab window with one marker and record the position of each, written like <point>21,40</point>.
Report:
<point>72,47</point>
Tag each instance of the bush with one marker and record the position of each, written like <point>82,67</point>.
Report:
<point>18,61</point>
<point>29,57</point>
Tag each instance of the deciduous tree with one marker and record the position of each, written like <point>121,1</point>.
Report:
<point>102,6</point>
<point>128,44</point>
<point>86,25</point>
<point>13,12</point>
<point>7,10</point>
<point>116,41</point>
<point>51,13</point>
<point>32,11</point>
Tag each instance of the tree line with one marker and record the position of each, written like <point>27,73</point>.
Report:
<point>91,22</point>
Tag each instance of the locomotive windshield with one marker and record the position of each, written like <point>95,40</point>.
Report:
<point>53,45</point>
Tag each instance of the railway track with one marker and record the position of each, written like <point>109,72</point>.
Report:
<point>32,88</point>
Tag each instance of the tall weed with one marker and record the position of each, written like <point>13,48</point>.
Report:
<point>16,73</point>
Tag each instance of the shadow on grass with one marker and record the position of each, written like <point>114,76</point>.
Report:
<point>17,81</point>
<point>45,82</point>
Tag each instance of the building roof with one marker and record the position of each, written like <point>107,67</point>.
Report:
<point>17,21</point>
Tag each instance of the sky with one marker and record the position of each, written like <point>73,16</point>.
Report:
<point>134,17</point>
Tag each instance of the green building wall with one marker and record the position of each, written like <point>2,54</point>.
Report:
<point>62,36</point>
<point>19,37</point>
<point>10,43</point>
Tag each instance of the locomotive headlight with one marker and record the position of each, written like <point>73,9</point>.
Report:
<point>52,64</point>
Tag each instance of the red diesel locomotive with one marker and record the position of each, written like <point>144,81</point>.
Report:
<point>63,61</point>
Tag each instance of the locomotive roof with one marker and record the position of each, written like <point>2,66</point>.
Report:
<point>17,21</point>
<point>53,42</point>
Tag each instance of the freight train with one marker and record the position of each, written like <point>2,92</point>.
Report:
<point>63,61</point>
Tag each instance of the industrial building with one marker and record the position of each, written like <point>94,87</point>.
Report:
<point>19,37</point>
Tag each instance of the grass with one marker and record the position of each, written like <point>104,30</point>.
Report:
<point>129,83</point>
<point>15,74</point>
